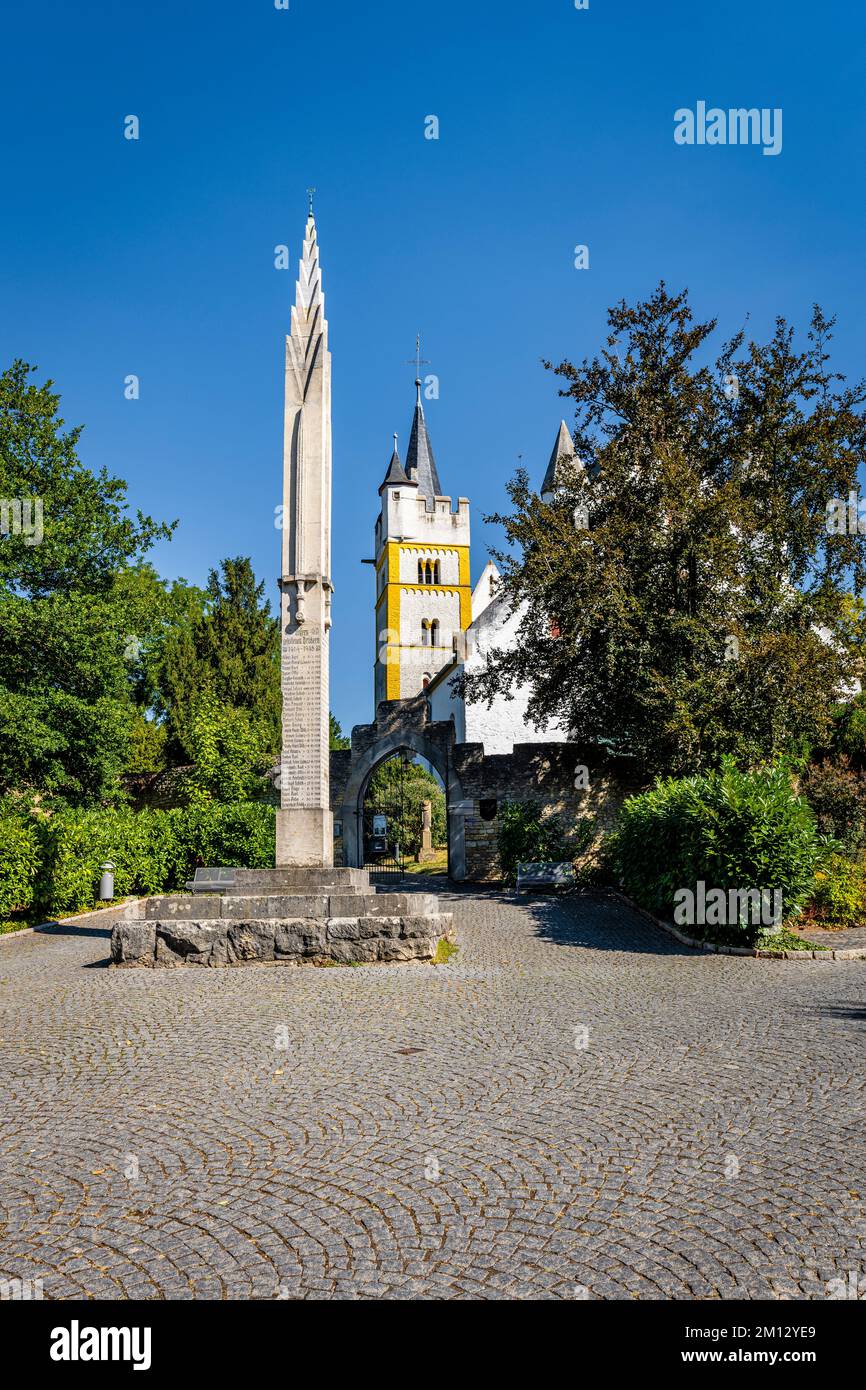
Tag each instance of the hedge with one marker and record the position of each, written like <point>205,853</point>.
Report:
<point>53,863</point>
<point>731,829</point>
<point>19,864</point>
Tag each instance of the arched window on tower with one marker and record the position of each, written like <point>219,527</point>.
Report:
<point>434,633</point>
<point>425,633</point>
<point>420,571</point>
<point>436,572</point>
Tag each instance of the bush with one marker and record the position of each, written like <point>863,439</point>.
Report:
<point>524,833</point>
<point>849,734</point>
<point>19,863</point>
<point>836,791</point>
<point>153,851</point>
<point>731,829</point>
<point>840,893</point>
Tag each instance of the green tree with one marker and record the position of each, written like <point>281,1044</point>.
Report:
<point>229,751</point>
<point>66,698</point>
<point>227,646</point>
<point>336,737</point>
<point>680,595</point>
<point>400,786</point>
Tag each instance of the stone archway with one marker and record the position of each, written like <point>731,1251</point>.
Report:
<point>400,725</point>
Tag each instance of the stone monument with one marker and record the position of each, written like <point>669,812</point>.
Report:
<point>305,832</point>
<point>426,852</point>
<point>304,909</point>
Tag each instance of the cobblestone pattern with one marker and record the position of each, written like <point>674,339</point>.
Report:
<point>435,1131</point>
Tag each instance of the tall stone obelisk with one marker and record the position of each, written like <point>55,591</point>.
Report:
<point>304,822</point>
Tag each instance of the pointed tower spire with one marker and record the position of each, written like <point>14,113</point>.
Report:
<point>563,453</point>
<point>396,475</point>
<point>420,463</point>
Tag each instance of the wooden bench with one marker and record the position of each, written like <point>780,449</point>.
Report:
<point>211,880</point>
<point>545,877</point>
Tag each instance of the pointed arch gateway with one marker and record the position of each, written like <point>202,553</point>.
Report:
<point>402,726</point>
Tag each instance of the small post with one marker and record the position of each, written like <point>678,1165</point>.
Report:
<point>106,883</point>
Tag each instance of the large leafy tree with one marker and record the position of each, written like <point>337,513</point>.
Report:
<point>680,595</point>
<point>66,616</point>
<point>227,648</point>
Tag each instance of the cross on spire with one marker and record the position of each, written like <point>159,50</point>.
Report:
<point>418,360</point>
<point>310,192</point>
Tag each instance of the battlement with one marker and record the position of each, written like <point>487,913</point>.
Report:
<point>406,517</point>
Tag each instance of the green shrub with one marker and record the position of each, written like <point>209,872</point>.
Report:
<point>524,834</point>
<point>153,851</point>
<point>19,863</point>
<point>731,829</point>
<point>849,733</point>
<point>836,791</point>
<point>239,836</point>
<point>840,891</point>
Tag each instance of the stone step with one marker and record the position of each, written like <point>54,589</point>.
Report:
<point>301,881</point>
<point>281,906</point>
<point>373,904</point>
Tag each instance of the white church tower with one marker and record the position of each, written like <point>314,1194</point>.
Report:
<point>423,592</point>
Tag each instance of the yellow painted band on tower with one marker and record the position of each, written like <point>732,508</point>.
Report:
<point>392,654</point>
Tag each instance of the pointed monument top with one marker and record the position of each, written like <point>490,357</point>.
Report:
<point>309,307</point>
<point>420,463</point>
<point>563,450</point>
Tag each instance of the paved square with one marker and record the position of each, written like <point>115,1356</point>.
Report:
<point>435,1131</point>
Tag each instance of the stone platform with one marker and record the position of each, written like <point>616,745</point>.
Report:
<point>283,916</point>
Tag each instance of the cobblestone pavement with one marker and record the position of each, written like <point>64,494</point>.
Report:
<point>435,1131</point>
<point>837,939</point>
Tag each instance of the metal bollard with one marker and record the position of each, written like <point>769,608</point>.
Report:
<point>106,883</point>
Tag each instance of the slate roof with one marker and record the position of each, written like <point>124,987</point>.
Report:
<point>396,473</point>
<point>563,449</point>
<point>420,463</point>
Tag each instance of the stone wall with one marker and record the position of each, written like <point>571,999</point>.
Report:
<point>210,931</point>
<point>542,772</point>
<point>477,783</point>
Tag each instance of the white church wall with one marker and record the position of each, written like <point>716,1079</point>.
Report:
<point>505,722</point>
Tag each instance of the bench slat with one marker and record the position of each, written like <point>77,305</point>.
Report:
<point>545,875</point>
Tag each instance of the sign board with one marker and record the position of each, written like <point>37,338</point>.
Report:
<point>211,880</point>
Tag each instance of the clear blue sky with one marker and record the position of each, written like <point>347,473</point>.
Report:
<point>156,257</point>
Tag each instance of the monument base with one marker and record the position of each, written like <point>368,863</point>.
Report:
<point>305,838</point>
<point>283,916</point>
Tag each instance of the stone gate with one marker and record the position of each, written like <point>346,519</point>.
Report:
<point>475,784</point>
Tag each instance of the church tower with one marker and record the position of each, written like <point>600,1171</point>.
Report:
<point>423,593</point>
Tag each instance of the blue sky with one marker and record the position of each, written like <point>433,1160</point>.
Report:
<point>156,257</point>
